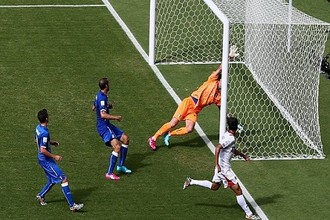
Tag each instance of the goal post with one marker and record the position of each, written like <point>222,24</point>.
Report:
<point>225,51</point>
<point>225,64</point>
<point>273,87</point>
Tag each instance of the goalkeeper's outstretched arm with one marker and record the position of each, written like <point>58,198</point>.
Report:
<point>233,53</point>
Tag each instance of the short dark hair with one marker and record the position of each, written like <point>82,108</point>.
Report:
<point>43,115</point>
<point>232,123</point>
<point>103,83</point>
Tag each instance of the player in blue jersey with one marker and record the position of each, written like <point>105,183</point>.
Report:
<point>111,135</point>
<point>47,162</point>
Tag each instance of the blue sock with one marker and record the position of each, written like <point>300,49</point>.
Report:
<point>46,189</point>
<point>113,161</point>
<point>67,193</point>
<point>123,154</point>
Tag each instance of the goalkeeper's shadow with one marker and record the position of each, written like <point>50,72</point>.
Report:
<point>194,142</point>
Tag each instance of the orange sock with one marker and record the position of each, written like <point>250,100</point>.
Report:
<point>179,131</point>
<point>165,128</point>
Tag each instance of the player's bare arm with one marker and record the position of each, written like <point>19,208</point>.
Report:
<point>107,116</point>
<point>48,154</point>
<point>217,72</point>
<point>55,143</point>
<point>237,152</point>
<point>233,53</point>
<point>216,156</point>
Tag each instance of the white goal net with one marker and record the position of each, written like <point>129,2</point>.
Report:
<point>273,86</point>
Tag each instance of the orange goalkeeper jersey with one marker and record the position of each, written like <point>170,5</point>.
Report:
<point>207,94</point>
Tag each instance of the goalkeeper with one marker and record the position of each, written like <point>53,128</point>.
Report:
<point>208,93</point>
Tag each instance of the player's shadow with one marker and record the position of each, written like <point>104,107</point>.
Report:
<point>82,193</point>
<point>136,161</point>
<point>259,201</point>
<point>227,206</point>
<point>78,194</point>
<point>192,142</point>
<point>268,199</point>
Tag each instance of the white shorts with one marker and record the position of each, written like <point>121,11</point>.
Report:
<point>226,177</point>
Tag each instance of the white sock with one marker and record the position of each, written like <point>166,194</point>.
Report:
<point>203,183</point>
<point>241,201</point>
<point>124,145</point>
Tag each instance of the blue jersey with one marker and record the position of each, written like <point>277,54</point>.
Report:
<point>101,104</point>
<point>43,141</point>
<point>105,129</point>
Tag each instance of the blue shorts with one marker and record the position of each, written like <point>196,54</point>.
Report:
<point>52,171</point>
<point>110,132</point>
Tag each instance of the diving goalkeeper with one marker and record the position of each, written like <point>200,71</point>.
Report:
<point>208,93</point>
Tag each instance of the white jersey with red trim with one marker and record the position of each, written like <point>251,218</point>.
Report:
<point>228,146</point>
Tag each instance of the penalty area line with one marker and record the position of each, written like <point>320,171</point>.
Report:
<point>49,6</point>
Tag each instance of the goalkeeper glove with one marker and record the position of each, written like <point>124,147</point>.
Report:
<point>233,52</point>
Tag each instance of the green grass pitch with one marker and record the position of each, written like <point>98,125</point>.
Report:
<point>53,57</point>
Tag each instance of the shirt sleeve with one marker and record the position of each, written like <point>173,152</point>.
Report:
<point>102,103</point>
<point>43,141</point>
<point>227,141</point>
<point>212,77</point>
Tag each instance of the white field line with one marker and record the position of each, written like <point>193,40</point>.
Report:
<point>49,6</point>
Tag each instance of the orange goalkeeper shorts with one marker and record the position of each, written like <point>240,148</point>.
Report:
<point>186,110</point>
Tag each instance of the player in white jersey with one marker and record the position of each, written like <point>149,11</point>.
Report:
<point>223,174</point>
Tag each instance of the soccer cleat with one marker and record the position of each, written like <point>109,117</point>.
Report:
<point>152,143</point>
<point>123,169</point>
<point>167,139</point>
<point>186,183</point>
<point>41,200</point>
<point>252,217</point>
<point>112,176</point>
<point>76,207</point>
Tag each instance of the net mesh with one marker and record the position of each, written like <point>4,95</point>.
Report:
<point>273,86</point>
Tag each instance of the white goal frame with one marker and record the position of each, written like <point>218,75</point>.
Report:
<point>289,19</point>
